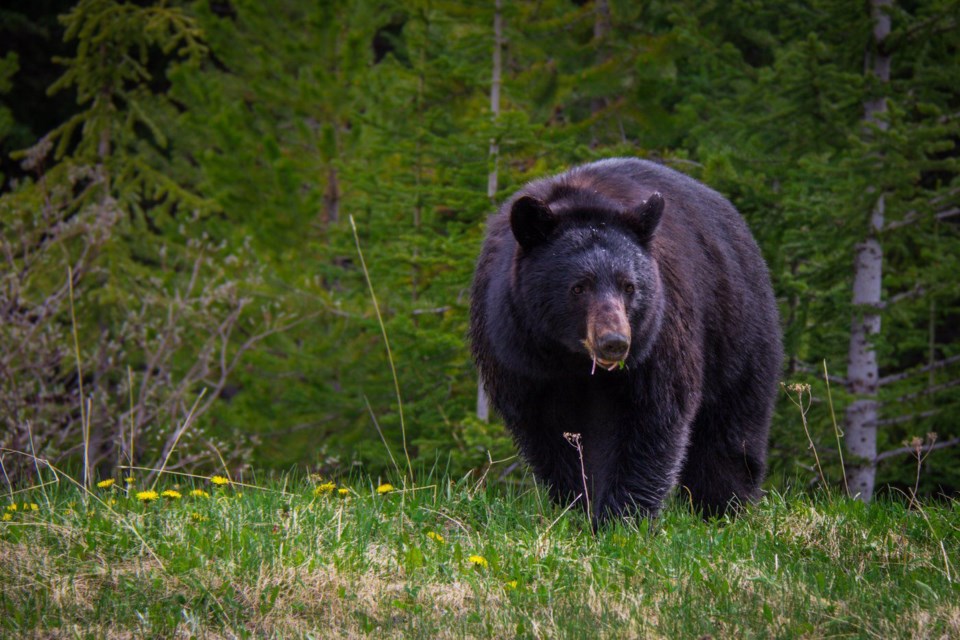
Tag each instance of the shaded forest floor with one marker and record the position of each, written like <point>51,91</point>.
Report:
<point>297,557</point>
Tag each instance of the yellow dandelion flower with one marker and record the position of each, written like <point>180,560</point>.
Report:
<point>324,489</point>
<point>512,584</point>
<point>478,561</point>
<point>130,480</point>
<point>343,492</point>
<point>199,493</point>
<point>12,507</point>
<point>198,517</point>
<point>34,507</point>
<point>433,535</point>
<point>170,493</point>
<point>384,488</point>
<point>111,502</point>
<point>105,484</point>
<point>147,496</point>
<point>7,517</point>
<point>219,480</point>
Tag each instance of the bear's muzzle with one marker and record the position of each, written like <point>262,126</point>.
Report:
<point>608,332</point>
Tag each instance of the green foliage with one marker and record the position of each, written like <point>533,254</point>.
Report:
<point>242,136</point>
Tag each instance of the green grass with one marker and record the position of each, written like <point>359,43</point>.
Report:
<point>278,561</point>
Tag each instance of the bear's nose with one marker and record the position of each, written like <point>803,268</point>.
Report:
<point>613,346</point>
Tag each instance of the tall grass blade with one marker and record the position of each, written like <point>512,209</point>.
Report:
<point>176,439</point>
<point>376,424</point>
<point>800,389</point>
<point>386,342</point>
<point>133,423</point>
<point>836,430</point>
<point>84,413</point>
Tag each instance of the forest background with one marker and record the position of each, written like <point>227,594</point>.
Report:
<point>181,282</point>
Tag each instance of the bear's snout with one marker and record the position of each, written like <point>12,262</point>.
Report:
<point>608,332</point>
<point>612,346</point>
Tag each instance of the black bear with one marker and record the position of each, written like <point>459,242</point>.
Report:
<point>629,304</point>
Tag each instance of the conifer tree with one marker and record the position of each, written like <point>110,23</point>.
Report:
<point>115,317</point>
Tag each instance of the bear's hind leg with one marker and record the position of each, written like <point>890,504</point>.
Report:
<point>725,463</point>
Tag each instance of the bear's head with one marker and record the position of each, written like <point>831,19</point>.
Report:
<point>586,277</point>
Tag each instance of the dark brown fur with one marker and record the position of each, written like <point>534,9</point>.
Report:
<point>575,262</point>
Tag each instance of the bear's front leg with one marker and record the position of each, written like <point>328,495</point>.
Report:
<point>633,494</point>
<point>642,468</point>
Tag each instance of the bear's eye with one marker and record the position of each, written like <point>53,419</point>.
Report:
<point>577,289</point>
<point>629,289</point>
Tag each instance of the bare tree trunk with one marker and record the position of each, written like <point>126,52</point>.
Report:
<point>495,96</point>
<point>483,402</point>
<point>862,369</point>
<point>331,198</point>
<point>418,172</point>
<point>601,27</point>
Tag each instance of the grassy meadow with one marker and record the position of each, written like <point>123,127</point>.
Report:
<point>298,557</point>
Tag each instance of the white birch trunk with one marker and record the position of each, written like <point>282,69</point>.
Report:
<point>862,369</point>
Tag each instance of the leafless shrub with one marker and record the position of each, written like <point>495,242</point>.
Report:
<point>158,319</point>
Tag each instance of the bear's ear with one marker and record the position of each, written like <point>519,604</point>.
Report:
<point>644,219</point>
<point>532,221</point>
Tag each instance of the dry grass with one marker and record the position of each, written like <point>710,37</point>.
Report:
<point>267,564</point>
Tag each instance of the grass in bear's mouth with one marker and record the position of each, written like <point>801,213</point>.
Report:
<point>609,365</point>
<point>460,558</point>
